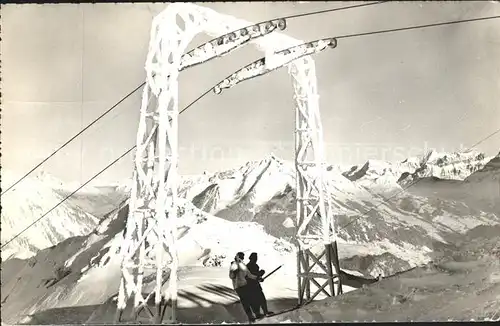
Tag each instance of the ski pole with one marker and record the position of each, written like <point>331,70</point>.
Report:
<point>272,272</point>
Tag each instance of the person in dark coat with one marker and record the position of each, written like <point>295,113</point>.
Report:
<point>240,276</point>
<point>258,299</point>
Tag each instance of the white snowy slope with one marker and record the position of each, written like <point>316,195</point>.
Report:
<point>483,187</point>
<point>58,285</point>
<point>96,200</point>
<point>32,198</point>
<point>479,190</point>
<point>66,275</point>
<point>460,285</point>
<point>243,209</point>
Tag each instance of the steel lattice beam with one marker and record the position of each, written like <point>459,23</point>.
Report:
<point>276,60</point>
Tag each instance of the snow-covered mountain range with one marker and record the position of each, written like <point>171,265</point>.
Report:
<point>373,212</point>
<point>379,176</point>
<point>35,196</point>
<point>480,190</point>
<point>382,229</point>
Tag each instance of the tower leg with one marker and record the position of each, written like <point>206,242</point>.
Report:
<point>299,278</point>
<point>118,315</point>
<point>174,311</point>
<point>158,313</point>
<point>121,302</point>
<point>307,280</point>
<point>336,264</point>
<point>330,270</point>
<point>135,313</point>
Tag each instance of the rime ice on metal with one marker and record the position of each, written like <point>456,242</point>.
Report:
<point>224,44</point>
<point>278,60</point>
<point>149,249</point>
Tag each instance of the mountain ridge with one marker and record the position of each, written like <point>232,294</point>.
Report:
<point>376,236</point>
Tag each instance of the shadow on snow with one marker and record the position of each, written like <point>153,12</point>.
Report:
<point>206,309</point>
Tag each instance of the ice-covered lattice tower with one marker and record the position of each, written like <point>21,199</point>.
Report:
<point>149,249</point>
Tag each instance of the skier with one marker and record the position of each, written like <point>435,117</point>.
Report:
<point>239,274</point>
<point>258,298</point>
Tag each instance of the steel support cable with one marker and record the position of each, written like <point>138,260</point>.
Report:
<point>454,161</point>
<point>73,138</point>
<point>95,176</point>
<point>208,91</point>
<point>418,27</point>
<point>141,85</point>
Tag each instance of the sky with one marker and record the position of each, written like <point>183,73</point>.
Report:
<point>386,96</point>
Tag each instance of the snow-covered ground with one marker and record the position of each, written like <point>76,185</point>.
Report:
<point>247,209</point>
<point>459,285</point>
<point>65,275</point>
